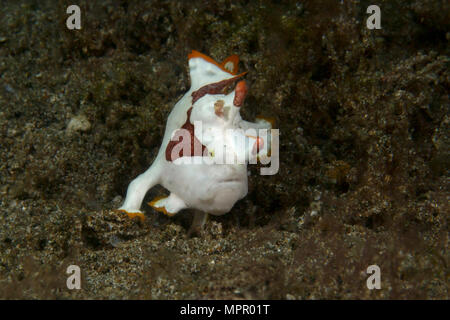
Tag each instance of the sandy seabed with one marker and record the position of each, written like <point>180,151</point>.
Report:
<point>364,148</point>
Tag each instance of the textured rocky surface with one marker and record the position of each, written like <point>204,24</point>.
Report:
<point>364,148</point>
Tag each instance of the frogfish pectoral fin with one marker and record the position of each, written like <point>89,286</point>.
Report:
<point>132,215</point>
<point>168,205</point>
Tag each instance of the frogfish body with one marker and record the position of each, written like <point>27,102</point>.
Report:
<point>206,147</point>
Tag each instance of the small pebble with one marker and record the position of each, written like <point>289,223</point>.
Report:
<point>78,123</point>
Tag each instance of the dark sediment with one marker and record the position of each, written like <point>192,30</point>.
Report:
<point>364,148</point>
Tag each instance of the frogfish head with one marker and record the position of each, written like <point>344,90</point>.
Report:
<point>218,93</point>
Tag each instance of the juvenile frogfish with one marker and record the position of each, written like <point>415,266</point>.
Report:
<point>206,147</point>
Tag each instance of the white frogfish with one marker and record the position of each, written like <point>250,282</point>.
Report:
<point>206,147</point>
